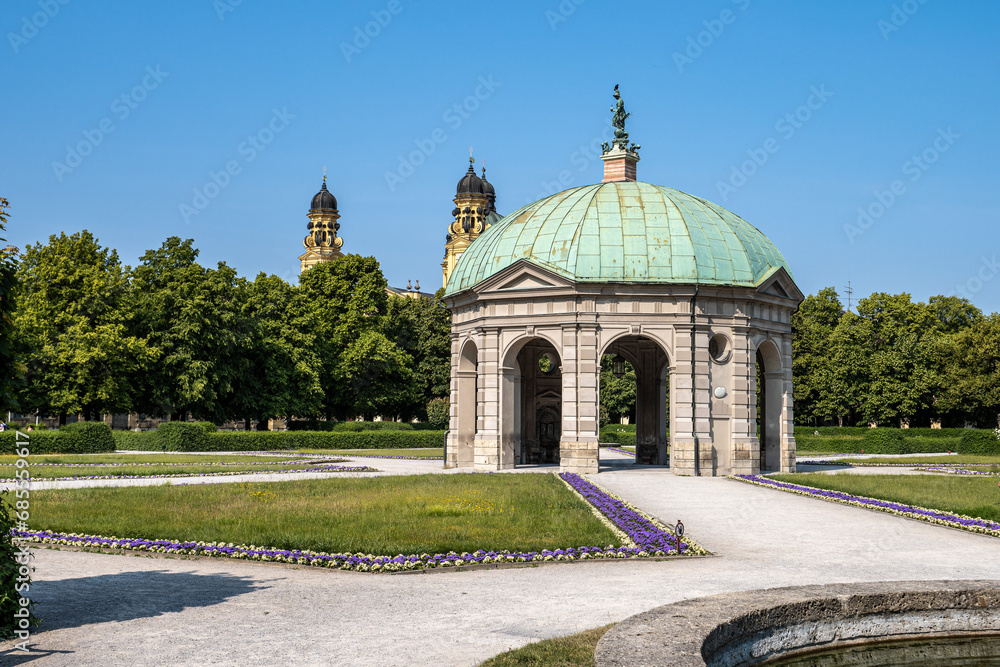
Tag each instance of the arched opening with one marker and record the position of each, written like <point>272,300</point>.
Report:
<point>768,385</point>
<point>648,362</point>
<point>468,398</point>
<point>533,389</point>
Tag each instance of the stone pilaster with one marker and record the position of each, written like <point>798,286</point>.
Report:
<point>487,442</point>
<point>787,455</point>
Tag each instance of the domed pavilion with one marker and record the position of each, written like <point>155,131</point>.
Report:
<point>695,298</point>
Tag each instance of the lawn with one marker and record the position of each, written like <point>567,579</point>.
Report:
<point>148,458</point>
<point>431,452</point>
<point>380,516</point>
<point>975,497</point>
<point>957,459</point>
<point>69,465</point>
<point>568,651</point>
<point>58,472</point>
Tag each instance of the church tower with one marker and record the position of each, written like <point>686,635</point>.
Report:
<point>475,210</point>
<point>322,243</point>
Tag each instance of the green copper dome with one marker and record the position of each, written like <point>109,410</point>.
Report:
<point>624,232</point>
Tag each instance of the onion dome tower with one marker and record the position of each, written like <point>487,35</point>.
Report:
<point>474,212</point>
<point>322,243</point>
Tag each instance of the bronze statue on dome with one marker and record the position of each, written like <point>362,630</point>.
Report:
<point>618,121</point>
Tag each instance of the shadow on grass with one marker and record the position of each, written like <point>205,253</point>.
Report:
<point>804,467</point>
<point>125,596</point>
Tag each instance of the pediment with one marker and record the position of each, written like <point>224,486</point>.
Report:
<point>778,283</point>
<point>522,275</point>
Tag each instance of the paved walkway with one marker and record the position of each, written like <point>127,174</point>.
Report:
<point>120,610</point>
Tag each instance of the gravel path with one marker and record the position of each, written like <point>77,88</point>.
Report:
<point>120,610</point>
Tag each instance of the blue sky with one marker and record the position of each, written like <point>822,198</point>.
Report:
<point>860,136</point>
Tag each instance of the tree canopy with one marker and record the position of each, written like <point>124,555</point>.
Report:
<point>172,337</point>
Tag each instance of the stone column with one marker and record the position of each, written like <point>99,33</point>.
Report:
<point>787,455</point>
<point>451,443</point>
<point>578,446</point>
<point>487,442</point>
<point>746,448</point>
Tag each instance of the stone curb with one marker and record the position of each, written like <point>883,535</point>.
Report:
<point>750,627</point>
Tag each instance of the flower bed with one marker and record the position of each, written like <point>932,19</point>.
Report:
<point>208,474</point>
<point>972,524</point>
<point>642,537</point>
<point>863,464</point>
<point>958,471</point>
<point>387,456</point>
<point>312,460</point>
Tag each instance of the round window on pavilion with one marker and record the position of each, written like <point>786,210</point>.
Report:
<point>719,348</point>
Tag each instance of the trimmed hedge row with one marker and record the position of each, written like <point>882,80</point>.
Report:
<point>372,426</point>
<point>811,443</point>
<point>619,434</point>
<point>239,441</point>
<point>78,438</point>
<point>323,425</point>
<point>981,442</point>
<point>840,431</point>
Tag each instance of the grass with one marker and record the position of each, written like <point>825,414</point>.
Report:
<point>430,452</point>
<point>146,458</point>
<point>129,464</point>
<point>960,459</point>
<point>8,472</point>
<point>975,497</point>
<point>379,516</point>
<point>569,651</point>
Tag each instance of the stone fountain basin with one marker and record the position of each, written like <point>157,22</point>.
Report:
<point>753,627</point>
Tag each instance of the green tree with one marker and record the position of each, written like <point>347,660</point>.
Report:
<point>72,329</point>
<point>380,376</point>
<point>883,363</point>
<point>617,394</point>
<point>971,386</point>
<point>11,367</point>
<point>422,328</point>
<point>284,370</point>
<point>191,314</point>
<point>342,302</point>
<point>813,326</point>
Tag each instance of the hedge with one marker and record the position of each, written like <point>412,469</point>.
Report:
<point>239,441</point>
<point>885,441</point>
<point>811,443</point>
<point>979,441</point>
<point>133,440</point>
<point>618,434</point>
<point>39,442</point>
<point>78,438</point>
<point>310,425</point>
<point>372,426</point>
<point>181,436</point>
<point>840,431</point>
